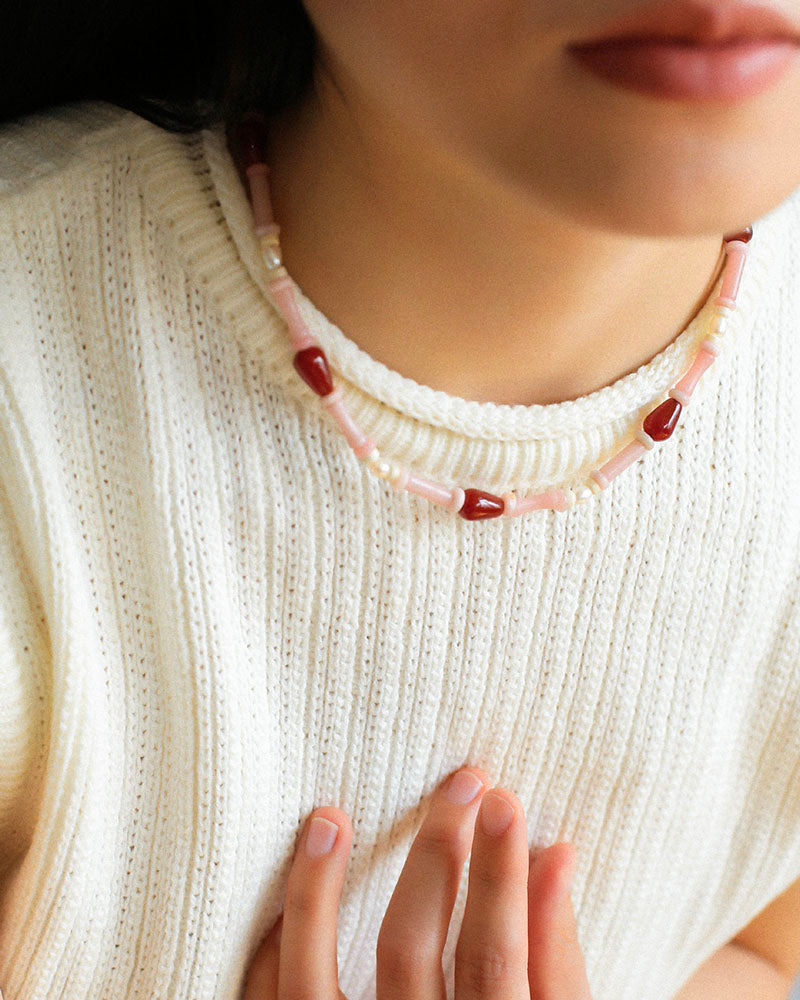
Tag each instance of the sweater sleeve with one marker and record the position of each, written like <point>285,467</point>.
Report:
<point>25,673</point>
<point>24,647</point>
<point>23,695</point>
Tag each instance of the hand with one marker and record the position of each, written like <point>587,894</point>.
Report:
<point>518,937</point>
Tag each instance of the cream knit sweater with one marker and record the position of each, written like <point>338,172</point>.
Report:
<point>215,618</point>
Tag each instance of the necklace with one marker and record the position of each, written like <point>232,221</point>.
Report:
<point>311,365</point>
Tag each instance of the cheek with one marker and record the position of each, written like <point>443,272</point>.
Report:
<point>442,63</point>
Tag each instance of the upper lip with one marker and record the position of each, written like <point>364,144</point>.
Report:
<point>699,21</point>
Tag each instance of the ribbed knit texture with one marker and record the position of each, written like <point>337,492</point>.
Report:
<point>214,618</point>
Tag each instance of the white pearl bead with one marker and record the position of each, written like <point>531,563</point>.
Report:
<point>271,251</point>
<point>272,258</point>
<point>718,324</point>
<point>582,494</point>
<point>723,310</point>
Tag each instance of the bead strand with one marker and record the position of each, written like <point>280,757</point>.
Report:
<point>311,364</point>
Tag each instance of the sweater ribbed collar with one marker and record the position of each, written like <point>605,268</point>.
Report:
<point>194,186</point>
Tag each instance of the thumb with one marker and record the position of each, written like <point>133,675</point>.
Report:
<point>261,982</point>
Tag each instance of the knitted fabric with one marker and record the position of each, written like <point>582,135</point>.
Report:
<point>214,618</point>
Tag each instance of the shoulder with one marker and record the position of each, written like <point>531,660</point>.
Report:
<point>66,173</point>
<point>43,148</point>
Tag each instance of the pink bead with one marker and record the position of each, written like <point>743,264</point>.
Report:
<point>743,236</point>
<point>283,294</point>
<point>356,438</point>
<point>629,454</point>
<point>366,446</point>
<point>723,300</point>
<point>259,194</point>
<point>737,257</point>
<point>400,483</point>
<point>702,360</point>
<point>539,501</point>
<point>429,490</point>
<point>561,502</point>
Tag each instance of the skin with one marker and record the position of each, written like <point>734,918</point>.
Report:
<point>518,938</point>
<point>479,213</point>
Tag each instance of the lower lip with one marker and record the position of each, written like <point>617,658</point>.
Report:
<point>679,71</point>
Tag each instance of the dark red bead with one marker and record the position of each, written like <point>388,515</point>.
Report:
<point>312,366</point>
<point>661,422</point>
<point>479,505</point>
<point>251,139</point>
<point>745,235</point>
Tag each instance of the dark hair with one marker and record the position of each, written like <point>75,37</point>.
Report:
<point>180,66</point>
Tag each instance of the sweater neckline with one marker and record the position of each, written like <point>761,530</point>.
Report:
<point>201,196</point>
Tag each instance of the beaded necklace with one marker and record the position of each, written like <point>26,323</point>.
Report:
<point>311,364</point>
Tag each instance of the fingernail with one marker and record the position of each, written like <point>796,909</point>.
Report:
<point>462,787</point>
<point>321,837</point>
<point>496,814</point>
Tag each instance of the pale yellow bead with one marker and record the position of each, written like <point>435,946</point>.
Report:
<point>582,493</point>
<point>377,463</point>
<point>272,255</point>
<point>718,324</point>
<point>594,486</point>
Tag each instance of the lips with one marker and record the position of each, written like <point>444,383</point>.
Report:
<point>693,50</point>
<point>686,71</point>
<point>700,21</point>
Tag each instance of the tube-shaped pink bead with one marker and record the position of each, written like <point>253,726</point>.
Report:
<point>629,454</point>
<point>426,488</point>
<point>702,360</point>
<point>259,193</point>
<point>283,294</point>
<point>539,501</point>
<point>356,438</point>
<point>734,267</point>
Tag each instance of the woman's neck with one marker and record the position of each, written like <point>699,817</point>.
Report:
<point>461,285</point>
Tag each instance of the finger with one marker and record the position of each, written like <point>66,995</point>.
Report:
<point>556,965</point>
<point>414,929</point>
<point>261,982</point>
<point>308,964</point>
<point>492,949</point>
